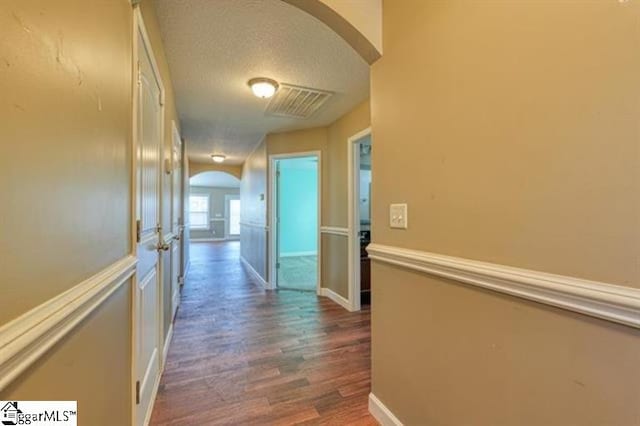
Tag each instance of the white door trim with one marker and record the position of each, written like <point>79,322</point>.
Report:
<point>140,28</point>
<point>353,162</point>
<point>227,218</point>
<point>271,207</point>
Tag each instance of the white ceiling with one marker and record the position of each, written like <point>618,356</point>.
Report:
<point>215,179</point>
<point>215,47</point>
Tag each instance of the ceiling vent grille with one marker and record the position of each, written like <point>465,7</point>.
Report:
<point>297,102</point>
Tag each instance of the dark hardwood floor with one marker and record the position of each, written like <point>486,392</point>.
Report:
<point>242,355</point>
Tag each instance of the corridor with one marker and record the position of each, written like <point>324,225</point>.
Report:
<point>243,355</point>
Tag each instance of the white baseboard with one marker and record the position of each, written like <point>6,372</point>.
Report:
<point>206,240</point>
<point>327,292</point>
<point>255,273</point>
<point>186,271</point>
<point>299,253</point>
<point>154,395</point>
<point>381,413</point>
<point>167,343</point>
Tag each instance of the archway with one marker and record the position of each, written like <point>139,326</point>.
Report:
<point>214,207</point>
<point>363,33</point>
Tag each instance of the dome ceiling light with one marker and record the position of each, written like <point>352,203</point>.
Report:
<point>263,88</point>
<point>218,158</point>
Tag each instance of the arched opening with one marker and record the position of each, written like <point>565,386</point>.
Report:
<point>214,207</point>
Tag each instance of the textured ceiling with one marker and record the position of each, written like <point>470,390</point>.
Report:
<point>215,179</point>
<point>215,47</point>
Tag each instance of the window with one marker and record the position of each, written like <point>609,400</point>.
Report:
<point>234,217</point>
<point>199,211</point>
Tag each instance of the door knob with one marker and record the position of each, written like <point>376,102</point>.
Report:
<point>163,246</point>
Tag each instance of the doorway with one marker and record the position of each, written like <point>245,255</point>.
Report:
<point>149,241</point>
<point>214,207</point>
<point>359,160</point>
<point>295,213</point>
<point>232,216</point>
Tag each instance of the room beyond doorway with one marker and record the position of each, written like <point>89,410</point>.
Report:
<point>214,207</point>
<point>295,211</point>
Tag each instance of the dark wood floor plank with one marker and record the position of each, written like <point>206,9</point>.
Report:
<point>243,355</point>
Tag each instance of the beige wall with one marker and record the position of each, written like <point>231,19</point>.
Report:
<point>66,81</point>
<point>66,112</point>
<point>196,168</point>
<point>217,210</point>
<point>510,129</point>
<point>90,365</point>
<point>253,198</point>
<point>335,191</point>
<point>358,22</point>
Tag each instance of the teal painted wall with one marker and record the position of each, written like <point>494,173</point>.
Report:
<point>298,204</point>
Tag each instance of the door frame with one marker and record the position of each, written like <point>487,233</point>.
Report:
<point>353,184</point>
<point>176,219</point>
<point>271,209</point>
<point>139,27</point>
<point>227,216</point>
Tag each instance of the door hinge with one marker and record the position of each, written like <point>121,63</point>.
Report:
<point>160,99</point>
<point>139,74</point>
<point>138,392</point>
<point>138,230</point>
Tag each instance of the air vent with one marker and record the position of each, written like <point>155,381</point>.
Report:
<point>296,101</point>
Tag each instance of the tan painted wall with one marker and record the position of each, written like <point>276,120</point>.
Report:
<point>196,168</point>
<point>336,192</point>
<point>364,15</point>
<point>91,365</point>
<point>65,76</point>
<point>358,22</point>
<point>253,199</point>
<point>66,112</point>
<point>510,129</point>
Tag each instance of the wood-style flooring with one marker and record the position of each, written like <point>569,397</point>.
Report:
<point>241,355</point>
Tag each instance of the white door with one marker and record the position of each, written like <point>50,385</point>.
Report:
<point>176,228</point>
<point>232,216</point>
<point>147,293</point>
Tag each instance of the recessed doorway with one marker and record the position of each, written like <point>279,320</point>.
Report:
<point>360,179</point>
<point>295,212</point>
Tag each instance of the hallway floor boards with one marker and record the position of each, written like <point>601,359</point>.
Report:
<point>242,355</point>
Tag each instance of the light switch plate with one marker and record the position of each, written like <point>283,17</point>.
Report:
<point>398,216</point>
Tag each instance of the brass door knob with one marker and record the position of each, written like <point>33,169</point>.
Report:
<point>163,246</point>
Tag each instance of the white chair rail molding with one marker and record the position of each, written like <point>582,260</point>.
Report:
<point>602,300</point>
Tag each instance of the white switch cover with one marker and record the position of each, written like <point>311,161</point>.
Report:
<point>398,216</point>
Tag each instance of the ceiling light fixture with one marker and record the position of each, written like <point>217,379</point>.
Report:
<point>217,158</point>
<point>263,87</point>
